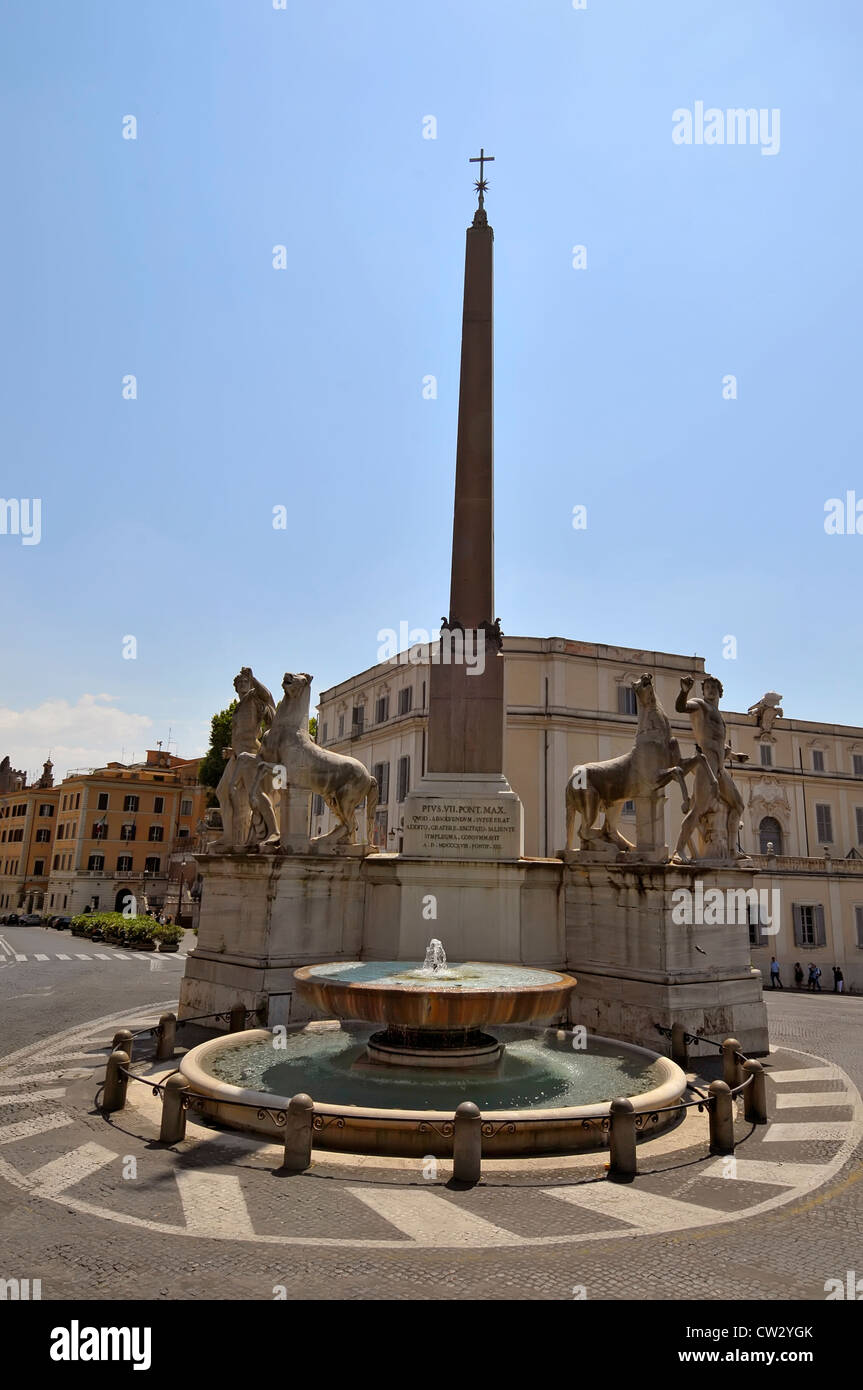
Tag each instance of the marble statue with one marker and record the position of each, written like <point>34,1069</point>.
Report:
<point>637,775</point>
<point>253,714</point>
<point>290,759</point>
<point>767,710</point>
<point>717,804</point>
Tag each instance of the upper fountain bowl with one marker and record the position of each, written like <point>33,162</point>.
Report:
<point>408,994</point>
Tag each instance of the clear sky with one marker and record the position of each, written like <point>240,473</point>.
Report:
<point>256,387</point>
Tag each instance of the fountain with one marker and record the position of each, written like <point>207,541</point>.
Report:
<point>435,1014</point>
<point>394,1089</point>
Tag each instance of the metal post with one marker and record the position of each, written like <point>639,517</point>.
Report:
<point>298,1133</point>
<point>116,1081</point>
<point>621,1140</point>
<point>721,1113</point>
<point>678,1046</point>
<point>755,1095</point>
<point>238,1019</point>
<point>122,1042</point>
<point>166,1037</point>
<point>173,1127</point>
<point>467,1143</point>
<point>730,1065</point>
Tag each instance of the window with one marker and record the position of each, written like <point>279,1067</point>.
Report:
<point>382,709</point>
<point>127,832</point>
<point>858,764</point>
<point>56,863</point>
<point>404,777</point>
<point>42,837</point>
<point>626,703</point>
<point>102,803</point>
<point>858,919</point>
<point>406,700</point>
<point>318,806</point>
<point>156,833</point>
<point>381,822</point>
<point>46,809</point>
<point>381,774</point>
<point>756,935</point>
<point>341,726</point>
<point>20,810</point>
<point>183,832</point>
<point>858,813</point>
<point>824,820</point>
<point>124,863</point>
<point>100,830</point>
<point>185,807</point>
<point>628,808</point>
<point>358,719</point>
<point>325,732</point>
<point>809,924</point>
<point>16,835</point>
<point>158,805</point>
<point>770,833</point>
<point>96,862</point>
<point>766,755</point>
<point>130,803</point>
<point>77,800</point>
<point>152,864</point>
<point>817,760</point>
<point>38,867</point>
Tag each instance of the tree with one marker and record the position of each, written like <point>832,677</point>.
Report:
<point>313,728</point>
<point>213,764</point>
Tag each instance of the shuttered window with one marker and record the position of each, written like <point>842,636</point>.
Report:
<point>809,927</point>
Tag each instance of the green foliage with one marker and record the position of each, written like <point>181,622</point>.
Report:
<point>213,764</point>
<point>168,933</point>
<point>115,926</point>
<point>313,728</point>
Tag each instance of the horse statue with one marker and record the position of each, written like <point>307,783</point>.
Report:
<point>653,762</point>
<point>290,758</point>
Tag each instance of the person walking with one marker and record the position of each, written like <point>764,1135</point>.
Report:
<point>798,975</point>
<point>838,980</point>
<point>775,978</point>
<point>814,977</point>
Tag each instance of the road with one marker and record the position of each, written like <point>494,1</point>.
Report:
<point>214,1218</point>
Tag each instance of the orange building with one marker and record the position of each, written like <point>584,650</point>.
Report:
<point>102,837</point>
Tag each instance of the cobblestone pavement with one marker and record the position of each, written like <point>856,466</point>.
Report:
<point>93,1205</point>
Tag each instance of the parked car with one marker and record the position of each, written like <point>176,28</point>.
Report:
<point>61,923</point>
<point>33,919</point>
<point>10,920</point>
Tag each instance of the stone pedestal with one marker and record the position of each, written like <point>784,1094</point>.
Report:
<point>469,816</point>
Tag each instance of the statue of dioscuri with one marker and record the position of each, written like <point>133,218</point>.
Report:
<point>714,793</point>
<point>642,772</point>
<point>253,713</point>
<point>290,758</point>
<point>767,710</point>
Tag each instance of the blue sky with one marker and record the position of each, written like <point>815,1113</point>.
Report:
<point>257,387</point>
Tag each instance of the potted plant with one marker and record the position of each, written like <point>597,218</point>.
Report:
<point>169,936</point>
<point>80,924</point>
<point>140,934</point>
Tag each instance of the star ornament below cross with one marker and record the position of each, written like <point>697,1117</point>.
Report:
<point>481,185</point>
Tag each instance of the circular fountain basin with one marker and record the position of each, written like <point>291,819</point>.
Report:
<point>546,1096</point>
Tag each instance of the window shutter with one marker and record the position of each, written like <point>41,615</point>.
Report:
<point>858,913</point>
<point>798,924</point>
<point>820,931</point>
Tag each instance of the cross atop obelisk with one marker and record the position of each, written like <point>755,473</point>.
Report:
<point>481,184</point>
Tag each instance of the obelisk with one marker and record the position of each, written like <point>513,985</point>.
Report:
<point>464,806</point>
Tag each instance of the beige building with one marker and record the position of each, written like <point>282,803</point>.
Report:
<point>571,702</point>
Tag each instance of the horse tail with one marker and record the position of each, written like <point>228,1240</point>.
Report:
<point>371,807</point>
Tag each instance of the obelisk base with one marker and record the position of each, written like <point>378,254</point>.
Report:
<point>463,816</point>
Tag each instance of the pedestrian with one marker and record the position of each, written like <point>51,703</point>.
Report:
<point>814,977</point>
<point>798,975</point>
<point>775,978</point>
<point>838,980</point>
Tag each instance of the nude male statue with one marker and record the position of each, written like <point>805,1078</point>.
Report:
<point>254,713</point>
<point>712,784</point>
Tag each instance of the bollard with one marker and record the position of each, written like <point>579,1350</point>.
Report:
<point>730,1065</point>
<point>467,1143</point>
<point>116,1082</point>
<point>678,1046</point>
<point>621,1140</point>
<point>173,1127</point>
<point>721,1113</point>
<point>298,1133</point>
<point>122,1042</point>
<point>238,1019</point>
<point>166,1037</point>
<point>755,1095</point>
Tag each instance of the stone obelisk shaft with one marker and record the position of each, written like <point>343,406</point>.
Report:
<point>466,709</point>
